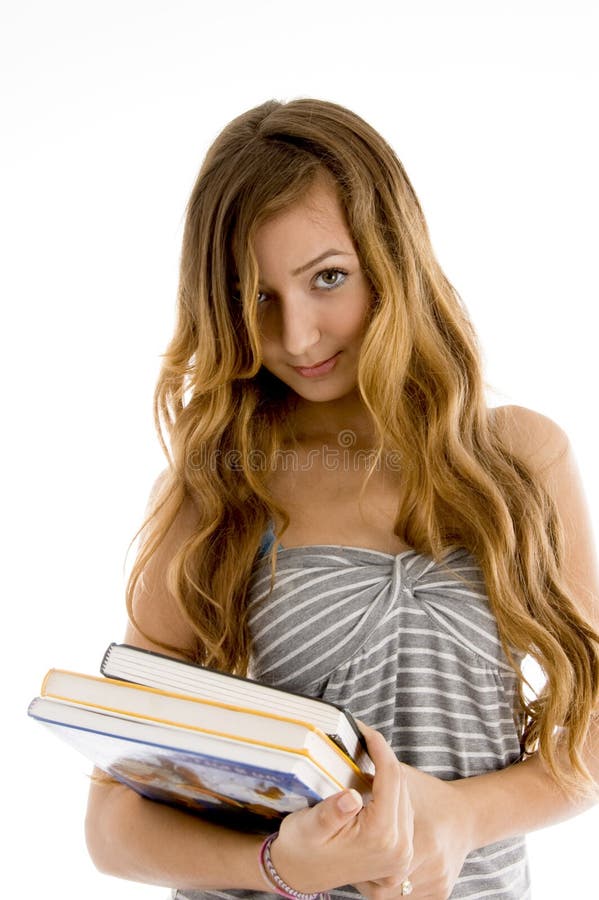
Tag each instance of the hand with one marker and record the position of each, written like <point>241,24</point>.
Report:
<point>442,838</point>
<point>327,846</point>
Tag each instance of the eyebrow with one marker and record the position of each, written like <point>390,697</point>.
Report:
<point>331,252</point>
<point>308,265</point>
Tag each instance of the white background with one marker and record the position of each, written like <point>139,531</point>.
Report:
<point>107,110</point>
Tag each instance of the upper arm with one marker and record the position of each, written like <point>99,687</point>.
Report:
<point>155,609</point>
<point>157,613</point>
<point>543,444</point>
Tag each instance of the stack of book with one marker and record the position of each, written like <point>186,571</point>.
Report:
<point>203,740</point>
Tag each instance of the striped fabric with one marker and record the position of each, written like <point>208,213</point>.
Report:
<point>411,647</point>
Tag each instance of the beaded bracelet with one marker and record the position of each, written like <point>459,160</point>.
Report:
<point>274,880</point>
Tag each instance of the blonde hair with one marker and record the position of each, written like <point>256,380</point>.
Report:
<point>218,412</point>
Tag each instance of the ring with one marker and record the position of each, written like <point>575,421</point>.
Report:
<point>406,887</point>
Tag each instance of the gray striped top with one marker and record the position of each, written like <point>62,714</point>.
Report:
<point>411,647</point>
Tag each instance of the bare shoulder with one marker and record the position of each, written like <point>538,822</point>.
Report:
<point>188,513</point>
<point>155,609</point>
<point>532,436</point>
<point>545,446</point>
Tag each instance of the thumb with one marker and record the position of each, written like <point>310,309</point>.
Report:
<point>348,802</point>
<point>334,812</point>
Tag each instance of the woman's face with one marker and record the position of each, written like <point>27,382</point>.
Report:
<point>314,299</point>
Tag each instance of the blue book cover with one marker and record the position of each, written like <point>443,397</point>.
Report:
<point>204,773</point>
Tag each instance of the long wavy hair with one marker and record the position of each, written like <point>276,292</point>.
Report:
<point>222,418</point>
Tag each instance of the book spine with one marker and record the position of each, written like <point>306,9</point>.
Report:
<point>47,677</point>
<point>354,725</point>
<point>106,657</point>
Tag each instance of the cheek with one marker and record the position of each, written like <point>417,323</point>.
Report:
<point>356,321</point>
<point>269,352</point>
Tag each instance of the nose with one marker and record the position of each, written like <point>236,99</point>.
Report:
<point>296,326</point>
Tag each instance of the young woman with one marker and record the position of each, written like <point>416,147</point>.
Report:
<point>343,515</point>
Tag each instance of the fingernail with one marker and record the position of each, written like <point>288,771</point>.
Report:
<point>349,801</point>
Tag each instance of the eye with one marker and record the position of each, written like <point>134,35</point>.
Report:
<point>236,295</point>
<point>336,273</point>
<point>339,277</point>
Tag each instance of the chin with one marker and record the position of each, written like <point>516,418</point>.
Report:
<point>323,393</point>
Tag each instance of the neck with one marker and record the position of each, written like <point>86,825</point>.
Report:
<point>319,421</point>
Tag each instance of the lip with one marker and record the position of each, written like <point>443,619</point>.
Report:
<point>321,368</point>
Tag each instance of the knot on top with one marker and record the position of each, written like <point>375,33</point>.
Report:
<point>326,602</point>
<point>330,604</point>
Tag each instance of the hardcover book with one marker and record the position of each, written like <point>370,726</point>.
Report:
<point>214,758</point>
<point>129,663</point>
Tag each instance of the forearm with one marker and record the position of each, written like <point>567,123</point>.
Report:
<point>140,840</point>
<point>523,797</point>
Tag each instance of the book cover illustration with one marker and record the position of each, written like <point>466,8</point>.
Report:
<point>196,780</point>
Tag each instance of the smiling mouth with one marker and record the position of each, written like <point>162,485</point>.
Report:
<point>321,368</point>
<point>316,365</point>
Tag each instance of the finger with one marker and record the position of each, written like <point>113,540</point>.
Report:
<point>334,813</point>
<point>388,784</point>
<point>405,819</point>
